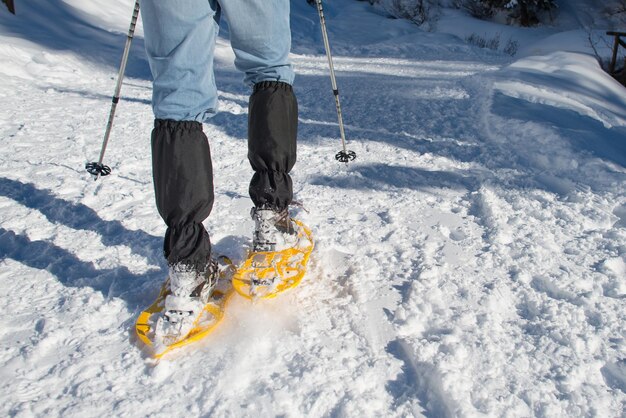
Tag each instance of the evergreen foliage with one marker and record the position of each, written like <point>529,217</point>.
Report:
<point>522,12</point>
<point>526,12</point>
<point>417,11</point>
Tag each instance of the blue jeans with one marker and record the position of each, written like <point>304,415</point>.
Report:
<point>180,38</point>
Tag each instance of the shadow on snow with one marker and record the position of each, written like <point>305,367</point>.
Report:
<point>70,270</point>
<point>418,380</point>
<point>382,176</point>
<point>73,272</point>
<point>584,133</point>
<point>55,25</point>
<point>136,289</point>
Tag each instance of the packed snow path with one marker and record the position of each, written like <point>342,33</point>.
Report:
<point>470,262</point>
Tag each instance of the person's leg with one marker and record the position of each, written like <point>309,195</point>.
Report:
<point>272,136</point>
<point>180,39</point>
<point>261,39</point>
<point>183,185</point>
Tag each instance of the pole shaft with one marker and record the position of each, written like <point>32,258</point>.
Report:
<point>120,79</point>
<point>333,80</point>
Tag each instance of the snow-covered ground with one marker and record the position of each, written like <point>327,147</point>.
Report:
<point>470,262</point>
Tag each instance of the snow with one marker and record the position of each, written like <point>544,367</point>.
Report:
<point>470,262</point>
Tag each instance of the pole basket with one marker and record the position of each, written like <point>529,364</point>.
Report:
<point>98,169</point>
<point>345,156</point>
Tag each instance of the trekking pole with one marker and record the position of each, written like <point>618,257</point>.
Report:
<point>344,155</point>
<point>98,169</point>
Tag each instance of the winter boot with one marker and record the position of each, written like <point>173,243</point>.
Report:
<point>190,291</point>
<point>273,230</point>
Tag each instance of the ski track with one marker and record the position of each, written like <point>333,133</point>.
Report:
<point>468,263</point>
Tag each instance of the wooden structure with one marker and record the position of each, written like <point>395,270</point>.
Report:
<point>618,74</point>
